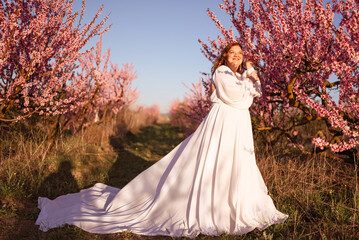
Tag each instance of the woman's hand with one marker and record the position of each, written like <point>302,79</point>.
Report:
<point>249,63</point>
<point>253,76</point>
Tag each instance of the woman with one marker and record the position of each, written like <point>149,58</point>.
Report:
<point>208,184</point>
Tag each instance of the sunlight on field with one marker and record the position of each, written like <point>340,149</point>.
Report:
<point>320,195</point>
<point>69,117</point>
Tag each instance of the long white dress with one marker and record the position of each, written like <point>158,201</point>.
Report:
<point>208,184</point>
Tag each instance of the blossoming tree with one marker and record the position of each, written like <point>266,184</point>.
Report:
<point>196,103</point>
<point>301,57</point>
<point>100,87</point>
<point>43,70</point>
<point>40,43</point>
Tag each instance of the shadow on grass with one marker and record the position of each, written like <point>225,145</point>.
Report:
<point>139,151</point>
<point>127,165</point>
<point>22,224</point>
<point>59,183</point>
<point>135,154</point>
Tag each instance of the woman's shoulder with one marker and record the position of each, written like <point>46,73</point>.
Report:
<point>222,68</point>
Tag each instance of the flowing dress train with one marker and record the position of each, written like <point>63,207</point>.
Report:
<point>208,184</point>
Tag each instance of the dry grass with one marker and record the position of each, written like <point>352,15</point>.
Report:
<point>28,161</point>
<point>320,195</point>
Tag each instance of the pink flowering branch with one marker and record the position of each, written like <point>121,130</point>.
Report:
<point>40,45</point>
<point>99,88</point>
<point>298,49</point>
<point>195,106</point>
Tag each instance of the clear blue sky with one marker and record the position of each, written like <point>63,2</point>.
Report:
<point>160,38</point>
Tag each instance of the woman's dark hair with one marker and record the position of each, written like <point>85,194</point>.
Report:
<point>221,59</point>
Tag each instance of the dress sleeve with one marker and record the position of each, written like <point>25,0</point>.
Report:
<point>255,89</point>
<point>232,90</point>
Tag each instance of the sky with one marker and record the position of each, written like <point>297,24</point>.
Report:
<point>160,38</point>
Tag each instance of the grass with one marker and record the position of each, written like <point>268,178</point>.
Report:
<point>320,195</point>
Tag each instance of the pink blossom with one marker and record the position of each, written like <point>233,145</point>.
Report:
<point>40,46</point>
<point>298,47</point>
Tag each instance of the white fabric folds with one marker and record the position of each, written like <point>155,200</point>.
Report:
<point>208,184</point>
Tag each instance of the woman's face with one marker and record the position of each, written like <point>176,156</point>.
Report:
<point>234,57</point>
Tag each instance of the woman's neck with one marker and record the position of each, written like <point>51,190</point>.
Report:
<point>233,68</point>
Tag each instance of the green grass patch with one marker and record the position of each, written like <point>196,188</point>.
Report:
<point>320,196</point>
